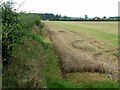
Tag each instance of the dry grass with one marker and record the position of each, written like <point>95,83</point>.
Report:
<point>80,52</point>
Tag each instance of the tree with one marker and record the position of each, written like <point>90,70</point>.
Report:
<point>86,17</point>
<point>104,18</point>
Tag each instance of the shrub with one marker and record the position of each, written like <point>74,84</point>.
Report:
<point>28,19</point>
<point>11,31</point>
<point>14,27</point>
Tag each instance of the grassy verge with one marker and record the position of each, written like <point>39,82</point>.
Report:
<point>25,69</point>
<point>91,80</point>
<point>52,70</point>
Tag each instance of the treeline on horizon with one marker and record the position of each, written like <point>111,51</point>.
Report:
<point>52,17</point>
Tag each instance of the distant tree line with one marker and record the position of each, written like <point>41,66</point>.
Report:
<point>49,16</point>
<point>52,17</point>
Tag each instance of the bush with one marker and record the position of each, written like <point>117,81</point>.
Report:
<point>14,27</point>
<point>11,31</point>
<point>28,19</point>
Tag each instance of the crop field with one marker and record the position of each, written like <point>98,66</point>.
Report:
<point>86,50</point>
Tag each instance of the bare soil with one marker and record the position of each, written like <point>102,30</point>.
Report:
<point>79,52</point>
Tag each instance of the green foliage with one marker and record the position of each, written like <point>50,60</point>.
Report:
<point>60,83</point>
<point>40,39</point>
<point>14,27</point>
<point>9,80</point>
<point>28,19</point>
<point>11,31</point>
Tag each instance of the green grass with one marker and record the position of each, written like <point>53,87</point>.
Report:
<point>102,84</point>
<point>52,71</point>
<point>61,83</point>
<point>98,32</point>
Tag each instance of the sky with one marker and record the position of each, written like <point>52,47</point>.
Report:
<point>72,8</point>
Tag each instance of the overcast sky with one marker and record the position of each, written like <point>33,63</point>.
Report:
<point>73,8</point>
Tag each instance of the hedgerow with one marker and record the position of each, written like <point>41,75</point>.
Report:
<point>14,27</point>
